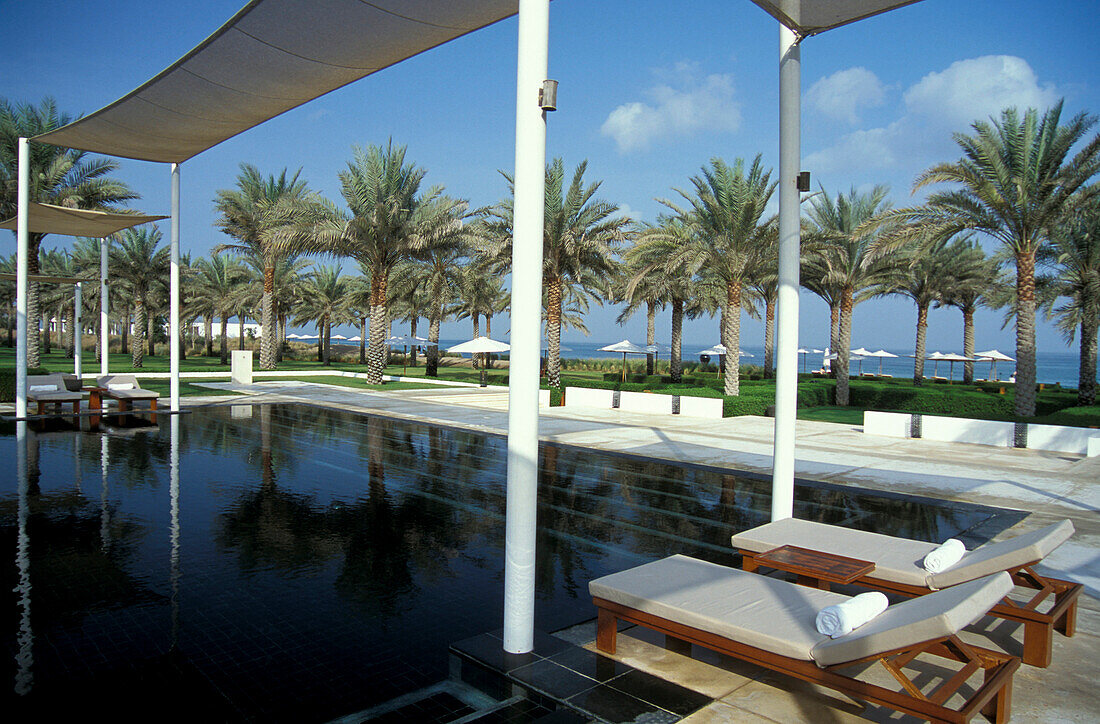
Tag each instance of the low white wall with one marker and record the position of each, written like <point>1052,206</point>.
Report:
<point>701,407</point>
<point>645,402</point>
<point>1077,440</point>
<point>957,429</point>
<point>1063,439</point>
<point>588,397</point>
<point>240,366</point>
<point>544,398</point>
<point>886,424</point>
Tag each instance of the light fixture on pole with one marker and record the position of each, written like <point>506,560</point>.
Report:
<point>548,95</point>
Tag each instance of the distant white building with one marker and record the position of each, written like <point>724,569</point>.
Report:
<point>251,329</point>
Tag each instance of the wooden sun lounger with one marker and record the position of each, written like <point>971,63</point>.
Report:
<point>766,624</point>
<point>123,388</point>
<point>51,389</point>
<point>898,570</point>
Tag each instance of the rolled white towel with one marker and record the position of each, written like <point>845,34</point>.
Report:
<point>842,618</point>
<point>947,555</point>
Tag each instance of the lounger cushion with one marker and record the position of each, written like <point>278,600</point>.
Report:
<point>756,610</point>
<point>899,559</point>
<point>1006,554</point>
<point>49,388</point>
<point>916,620</point>
<point>895,559</point>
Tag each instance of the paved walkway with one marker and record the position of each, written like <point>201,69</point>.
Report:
<point>1049,485</point>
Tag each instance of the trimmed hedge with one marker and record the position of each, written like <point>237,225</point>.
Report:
<point>932,401</point>
<point>7,382</point>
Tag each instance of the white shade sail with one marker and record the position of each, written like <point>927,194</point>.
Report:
<point>478,345</point>
<point>881,353</point>
<point>861,352</point>
<point>272,56</point>
<point>50,219</point>
<point>810,17</point>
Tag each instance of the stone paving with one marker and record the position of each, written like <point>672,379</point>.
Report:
<point>1049,485</point>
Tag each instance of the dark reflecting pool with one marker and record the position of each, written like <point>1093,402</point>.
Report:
<point>294,563</point>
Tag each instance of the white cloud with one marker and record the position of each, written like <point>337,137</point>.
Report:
<point>844,93</point>
<point>978,88</point>
<point>682,105</point>
<point>934,107</point>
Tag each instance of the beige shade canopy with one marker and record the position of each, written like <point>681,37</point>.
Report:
<point>50,219</point>
<point>810,17</point>
<point>272,56</point>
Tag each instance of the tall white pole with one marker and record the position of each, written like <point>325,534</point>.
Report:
<point>523,378</point>
<point>786,368</point>
<point>22,230</point>
<point>174,283</point>
<point>104,327</point>
<point>78,331</point>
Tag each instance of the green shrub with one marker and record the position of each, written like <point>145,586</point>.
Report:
<point>557,395</point>
<point>931,400</point>
<point>7,382</point>
<point>734,406</point>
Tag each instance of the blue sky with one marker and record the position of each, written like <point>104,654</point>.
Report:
<point>649,92</point>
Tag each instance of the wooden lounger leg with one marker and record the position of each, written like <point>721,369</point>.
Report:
<point>153,404</point>
<point>607,626</point>
<point>1037,643</point>
<point>123,405</point>
<point>748,561</point>
<point>1067,623</point>
<point>76,407</point>
<point>999,709</point>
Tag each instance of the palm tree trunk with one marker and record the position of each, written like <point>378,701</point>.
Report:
<point>844,343</point>
<point>34,358</point>
<point>267,320</point>
<point>362,340</point>
<point>280,338</point>
<point>138,356</point>
<point>922,333</point>
<point>650,336</point>
<point>150,324</point>
<point>968,344</point>
<point>47,338</point>
<point>675,365</point>
<point>553,331</point>
<point>475,359</point>
<point>376,354</point>
<point>769,338</point>
<point>731,338</point>
<point>69,339</point>
<point>98,339</point>
<point>1086,377</point>
<point>834,327</point>
<point>124,347</point>
<point>326,354</point>
<point>432,367</point>
<point>1025,334</point>
<point>208,329</point>
<point>412,333</point>
<point>225,341</point>
<point>240,330</point>
<point>320,341</point>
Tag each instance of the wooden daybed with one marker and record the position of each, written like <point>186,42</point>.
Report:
<point>770,623</point>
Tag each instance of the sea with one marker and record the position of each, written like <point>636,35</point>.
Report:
<point>1060,367</point>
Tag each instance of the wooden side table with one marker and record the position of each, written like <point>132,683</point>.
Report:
<point>816,569</point>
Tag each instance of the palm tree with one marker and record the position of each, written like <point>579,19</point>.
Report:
<point>481,294</point>
<point>217,286</point>
<point>324,303</point>
<point>383,195</point>
<point>642,282</point>
<point>967,282</point>
<point>1015,182</point>
<point>270,218</point>
<point>727,207</point>
<point>925,283</point>
<point>86,260</point>
<point>1075,255</point>
<point>139,266</point>
<point>650,258</point>
<point>581,235</point>
<point>61,176</point>
<point>851,259</point>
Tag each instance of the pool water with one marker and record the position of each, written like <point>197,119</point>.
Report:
<point>294,563</point>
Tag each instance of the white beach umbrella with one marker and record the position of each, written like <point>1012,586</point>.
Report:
<point>338,337</point>
<point>294,336</point>
<point>881,354</point>
<point>992,356</point>
<point>356,338</point>
<point>937,356</point>
<point>718,350</point>
<point>953,358</point>
<point>626,347</point>
<point>859,354</point>
<point>479,345</point>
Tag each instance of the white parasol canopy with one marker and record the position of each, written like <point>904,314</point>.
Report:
<point>479,345</point>
<point>881,354</point>
<point>625,346</point>
<point>993,356</point>
<point>338,337</point>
